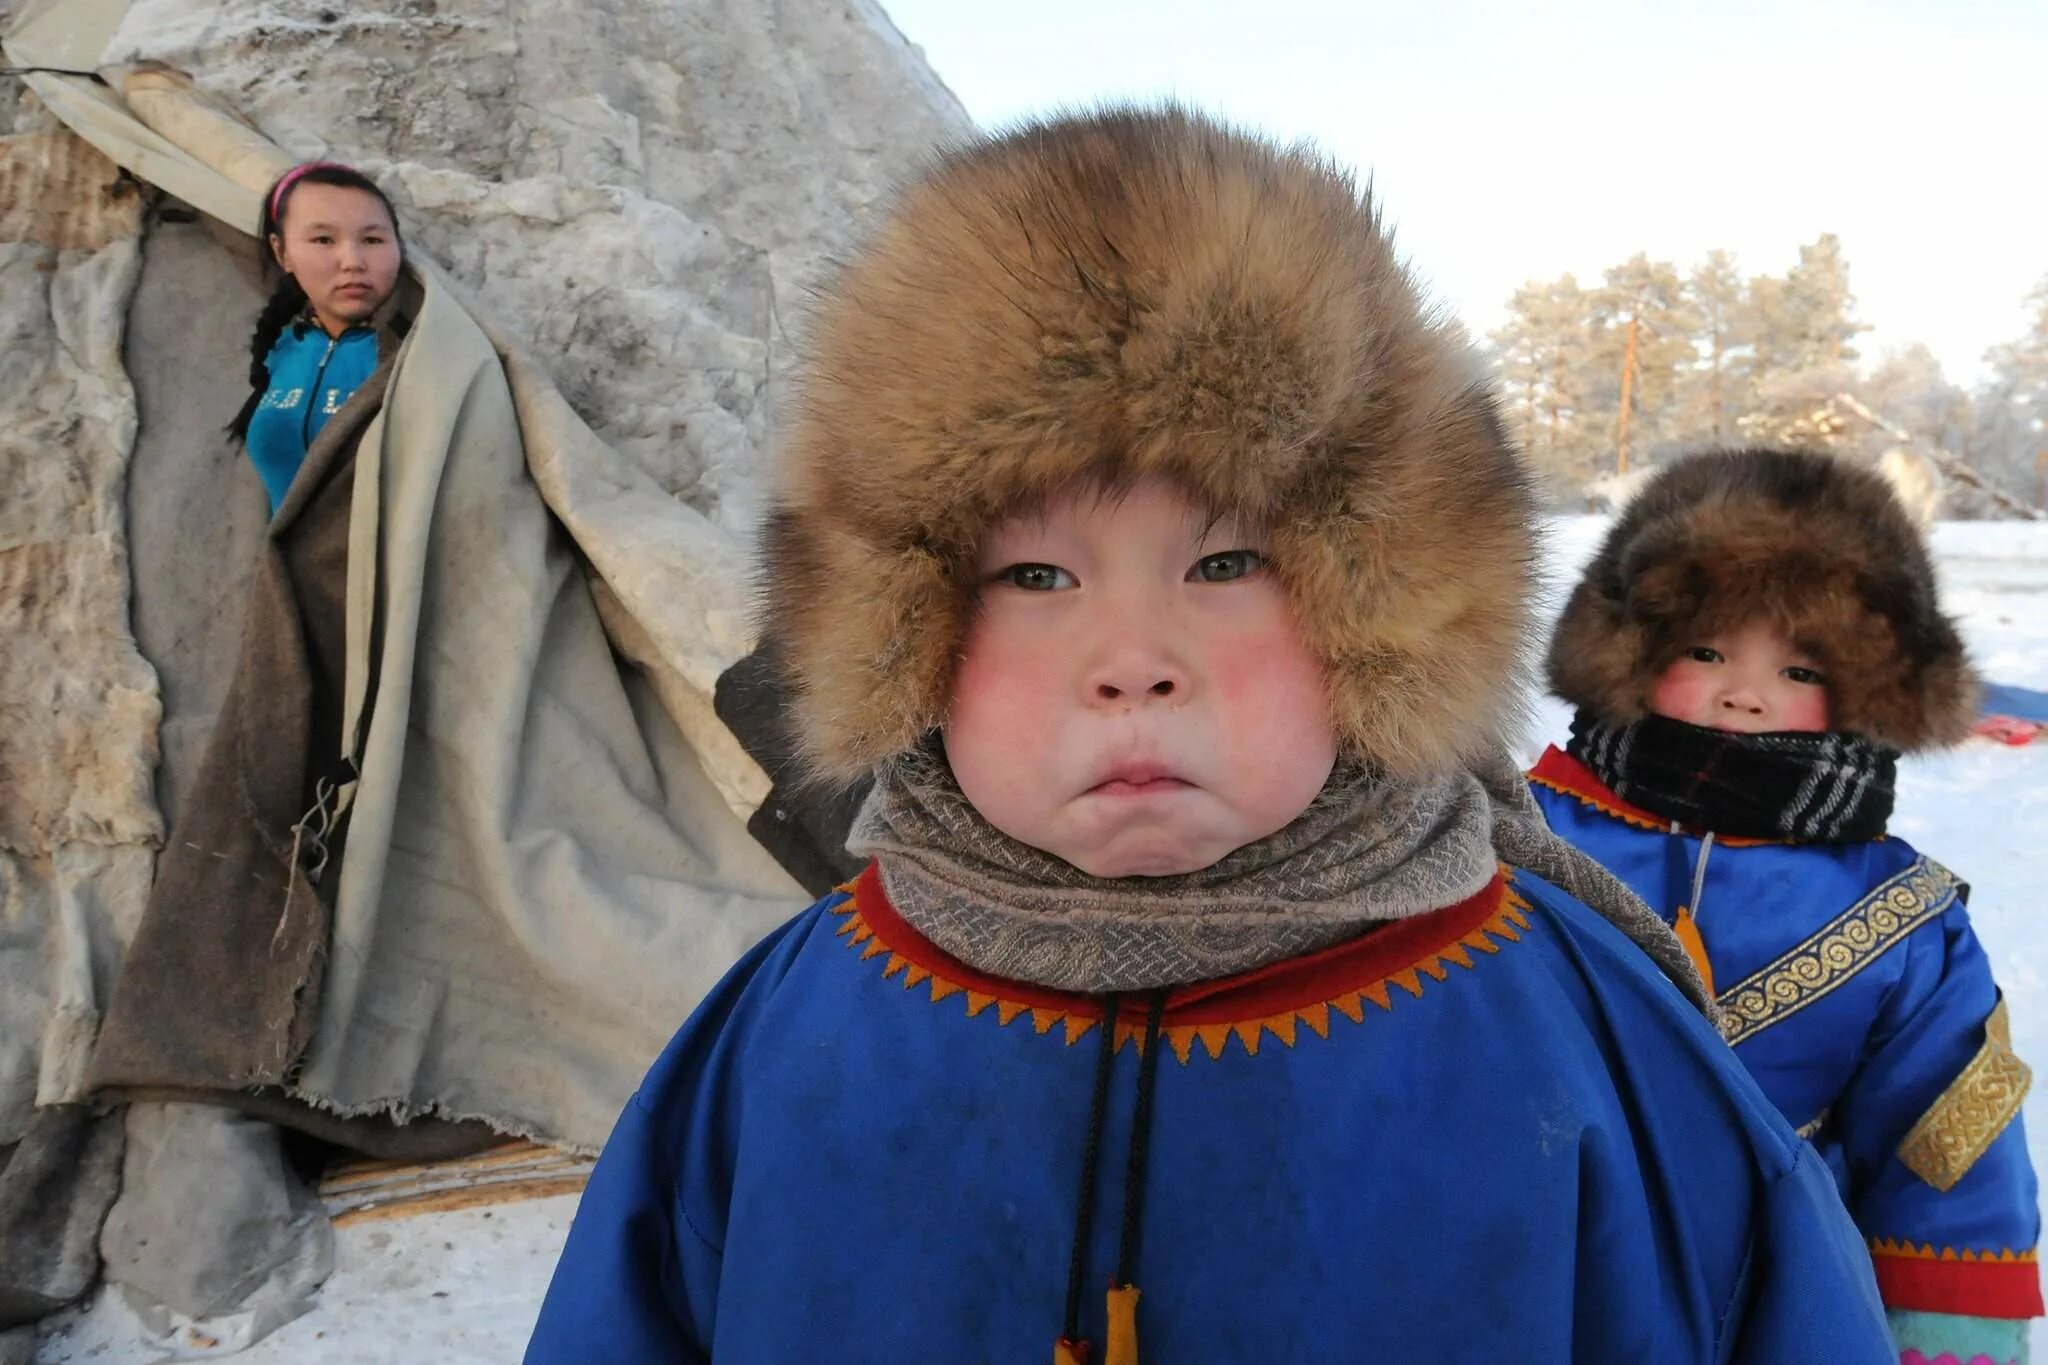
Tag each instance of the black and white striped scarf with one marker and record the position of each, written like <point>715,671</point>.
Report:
<point>1809,788</point>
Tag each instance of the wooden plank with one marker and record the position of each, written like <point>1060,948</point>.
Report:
<point>466,1197</point>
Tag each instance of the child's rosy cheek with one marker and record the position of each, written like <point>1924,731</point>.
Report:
<point>1265,668</point>
<point>1808,710</point>
<point>1677,692</point>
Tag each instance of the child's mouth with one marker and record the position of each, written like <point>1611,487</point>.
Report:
<point>1138,779</point>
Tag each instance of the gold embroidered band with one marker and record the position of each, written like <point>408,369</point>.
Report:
<point>1967,1118</point>
<point>1843,947</point>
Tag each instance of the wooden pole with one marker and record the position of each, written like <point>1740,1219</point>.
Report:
<point>1715,391</point>
<point>1628,379</point>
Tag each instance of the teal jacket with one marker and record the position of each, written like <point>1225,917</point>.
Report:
<point>311,376</point>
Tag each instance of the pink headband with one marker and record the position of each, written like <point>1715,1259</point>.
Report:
<point>291,177</point>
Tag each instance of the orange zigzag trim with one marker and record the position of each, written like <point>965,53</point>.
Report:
<point>1623,813</point>
<point>1565,775</point>
<point>1927,1251</point>
<point>1506,924</point>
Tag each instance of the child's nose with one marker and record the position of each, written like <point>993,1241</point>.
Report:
<point>1134,673</point>
<point>1110,691</point>
<point>1744,701</point>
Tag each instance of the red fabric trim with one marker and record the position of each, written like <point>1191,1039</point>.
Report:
<point>1981,1288</point>
<point>1297,983</point>
<point>1560,772</point>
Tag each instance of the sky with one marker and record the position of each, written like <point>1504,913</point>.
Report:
<point>1510,142</point>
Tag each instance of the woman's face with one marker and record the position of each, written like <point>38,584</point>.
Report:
<point>340,245</point>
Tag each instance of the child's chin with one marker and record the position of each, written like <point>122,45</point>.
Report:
<point>1142,858</point>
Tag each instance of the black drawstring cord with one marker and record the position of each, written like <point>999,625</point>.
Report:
<point>1071,1346</point>
<point>1084,1214</point>
<point>1141,1145</point>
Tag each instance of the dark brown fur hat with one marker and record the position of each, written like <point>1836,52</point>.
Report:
<point>1817,547</point>
<point>1136,293</point>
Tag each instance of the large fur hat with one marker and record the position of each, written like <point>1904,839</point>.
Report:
<point>1819,548</point>
<point>1127,294</point>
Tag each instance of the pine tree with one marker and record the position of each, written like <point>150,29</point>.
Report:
<point>1909,389</point>
<point>1818,291</point>
<point>1642,326</point>
<point>2011,446</point>
<point>1800,329</point>
<point>1544,355</point>
<point>1716,389</point>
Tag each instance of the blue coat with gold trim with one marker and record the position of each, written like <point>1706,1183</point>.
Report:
<point>1855,992</point>
<point>1488,1133</point>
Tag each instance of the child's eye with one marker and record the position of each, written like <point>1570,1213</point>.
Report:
<point>1037,577</point>
<point>1811,677</point>
<point>1701,654</point>
<point>1226,567</point>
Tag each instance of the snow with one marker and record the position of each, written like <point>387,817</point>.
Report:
<point>465,1287</point>
<point>453,1288</point>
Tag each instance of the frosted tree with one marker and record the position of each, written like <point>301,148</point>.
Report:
<point>1713,394</point>
<point>2011,410</point>
<point>1546,358</point>
<point>1642,326</point>
<point>1801,329</point>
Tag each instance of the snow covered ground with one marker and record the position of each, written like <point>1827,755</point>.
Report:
<point>464,1287</point>
<point>450,1288</point>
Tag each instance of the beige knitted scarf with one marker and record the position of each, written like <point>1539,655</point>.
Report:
<point>1366,852</point>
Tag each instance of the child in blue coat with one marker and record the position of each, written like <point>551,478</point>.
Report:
<point>1163,559</point>
<point>1749,651</point>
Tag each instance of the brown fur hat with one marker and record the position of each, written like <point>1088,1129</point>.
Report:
<point>1817,547</point>
<point>1135,293</point>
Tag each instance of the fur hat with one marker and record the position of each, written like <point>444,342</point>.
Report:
<point>1138,293</point>
<point>1819,548</point>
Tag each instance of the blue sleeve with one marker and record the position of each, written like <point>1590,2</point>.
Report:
<point>1808,1292</point>
<point>1930,1131</point>
<point>638,1278</point>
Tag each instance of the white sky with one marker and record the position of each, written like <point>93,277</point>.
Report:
<point>1511,142</point>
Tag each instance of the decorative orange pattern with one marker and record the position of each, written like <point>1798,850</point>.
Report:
<point>1560,772</point>
<point>1927,1251</point>
<point>1498,915</point>
<point>1564,774</point>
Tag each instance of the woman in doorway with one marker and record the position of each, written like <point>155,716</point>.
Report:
<point>220,987</point>
<point>333,238</point>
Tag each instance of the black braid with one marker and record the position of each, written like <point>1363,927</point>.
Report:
<point>287,300</point>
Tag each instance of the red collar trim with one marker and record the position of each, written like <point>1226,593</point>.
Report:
<point>1274,1000</point>
<point>1560,772</point>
